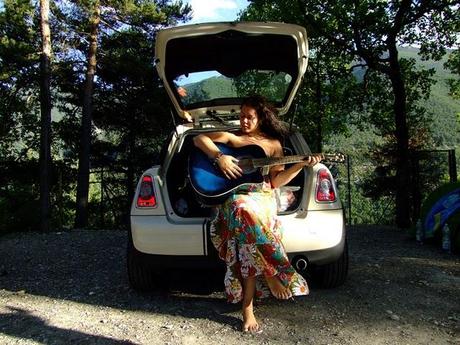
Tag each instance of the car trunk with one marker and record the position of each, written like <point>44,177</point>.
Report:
<point>230,54</point>
<point>184,201</point>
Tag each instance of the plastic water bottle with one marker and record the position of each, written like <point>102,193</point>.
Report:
<point>446,238</point>
<point>419,233</point>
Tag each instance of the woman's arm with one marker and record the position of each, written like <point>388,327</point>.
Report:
<point>226,163</point>
<point>205,142</point>
<point>279,176</point>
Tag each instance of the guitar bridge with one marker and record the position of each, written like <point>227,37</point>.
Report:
<point>265,170</point>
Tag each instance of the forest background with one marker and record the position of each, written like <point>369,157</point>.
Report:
<point>83,112</point>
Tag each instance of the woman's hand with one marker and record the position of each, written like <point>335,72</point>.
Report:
<point>311,161</point>
<point>229,167</point>
<point>280,177</point>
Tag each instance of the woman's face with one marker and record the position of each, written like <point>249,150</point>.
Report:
<point>249,121</point>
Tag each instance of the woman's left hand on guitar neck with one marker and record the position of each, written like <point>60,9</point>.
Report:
<point>280,176</point>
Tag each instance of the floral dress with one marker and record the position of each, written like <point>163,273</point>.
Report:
<point>247,235</point>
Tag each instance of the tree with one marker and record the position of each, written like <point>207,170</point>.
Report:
<point>20,99</point>
<point>17,79</point>
<point>371,31</point>
<point>81,217</point>
<point>107,18</point>
<point>330,93</point>
<point>19,115</point>
<point>453,63</point>
<point>45,122</point>
<point>130,108</point>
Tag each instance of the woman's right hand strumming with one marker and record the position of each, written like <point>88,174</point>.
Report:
<point>229,166</point>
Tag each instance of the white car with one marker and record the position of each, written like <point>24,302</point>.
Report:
<point>206,70</point>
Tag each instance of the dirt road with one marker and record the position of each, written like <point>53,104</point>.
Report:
<point>71,288</point>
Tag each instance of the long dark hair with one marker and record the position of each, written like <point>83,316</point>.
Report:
<point>268,117</point>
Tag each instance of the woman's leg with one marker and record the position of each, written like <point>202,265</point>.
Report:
<point>249,320</point>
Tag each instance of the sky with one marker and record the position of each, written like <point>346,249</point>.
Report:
<point>210,10</point>
<point>215,10</point>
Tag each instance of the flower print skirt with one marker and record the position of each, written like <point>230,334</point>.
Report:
<point>247,236</point>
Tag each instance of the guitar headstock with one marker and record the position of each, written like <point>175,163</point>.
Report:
<point>337,157</point>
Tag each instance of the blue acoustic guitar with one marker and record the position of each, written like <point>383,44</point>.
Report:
<point>212,187</point>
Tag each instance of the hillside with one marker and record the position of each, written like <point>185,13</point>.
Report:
<point>444,109</point>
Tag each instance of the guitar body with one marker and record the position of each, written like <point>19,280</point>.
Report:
<point>207,180</point>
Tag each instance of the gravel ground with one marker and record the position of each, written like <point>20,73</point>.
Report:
<point>71,288</point>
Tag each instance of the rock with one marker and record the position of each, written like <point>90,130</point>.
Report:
<point>395,317</point>
<point>392,315</point>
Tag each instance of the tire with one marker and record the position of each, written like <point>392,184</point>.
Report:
<point>334,274</point>
<point>140,275</point>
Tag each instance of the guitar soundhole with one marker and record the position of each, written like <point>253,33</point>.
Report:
<point>245,163</point>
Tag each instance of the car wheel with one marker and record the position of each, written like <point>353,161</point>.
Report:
<point>335,273</point>
<point>140,275</point>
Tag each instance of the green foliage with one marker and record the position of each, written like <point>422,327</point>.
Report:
<point>365,209</point>
<point>132,121</point>
<point>440,107</point>
<point>371,202</point>
<point>18,76</point>
<point>130,111</point>
<point>453,63</point>
<point>19,195</point>
<point>19,138</point>
<point>393,88</point>
<point>270,84</point>
<point>131,115</point>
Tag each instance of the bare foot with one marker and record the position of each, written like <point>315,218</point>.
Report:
<point>249,321</point>
<point>277,288</point>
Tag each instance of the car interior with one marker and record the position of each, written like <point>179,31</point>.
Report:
<point>184,201</point>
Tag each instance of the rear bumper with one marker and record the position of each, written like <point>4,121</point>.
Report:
<point>163,262</point>
<point>158,236</point>
<point>212,261</point>
<point>318,236</point>
<point>321,256</point>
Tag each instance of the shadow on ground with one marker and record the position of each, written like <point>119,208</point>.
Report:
<point>21,323</point>
<point>90,267</point>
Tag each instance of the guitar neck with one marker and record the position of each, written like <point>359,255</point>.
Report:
<point>271,161</point>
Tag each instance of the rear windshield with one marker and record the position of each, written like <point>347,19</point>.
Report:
<point>198,87</point>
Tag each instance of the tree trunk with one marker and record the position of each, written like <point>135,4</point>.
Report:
<point>130,184</point>
<point>403,206</point>
<point>45,120</point>
<point>320,110</point>
<point>81,218</point>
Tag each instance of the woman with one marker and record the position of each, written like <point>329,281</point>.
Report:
<point>245,230</point>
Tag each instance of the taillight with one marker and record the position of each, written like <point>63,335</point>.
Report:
<point>146,197</point>
<point>324,187</point>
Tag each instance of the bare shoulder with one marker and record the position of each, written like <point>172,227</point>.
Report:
<point>272,147</point>
<point>222,137</point>
<point>235,140</point>
<point>276,150</point>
